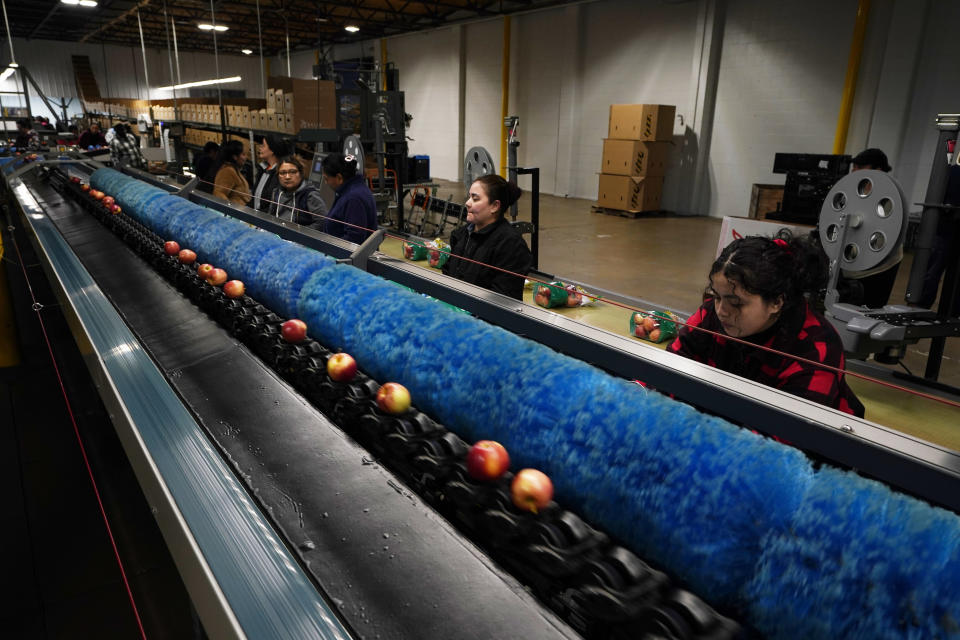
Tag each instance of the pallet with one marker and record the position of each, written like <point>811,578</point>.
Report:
<point>626,213</point>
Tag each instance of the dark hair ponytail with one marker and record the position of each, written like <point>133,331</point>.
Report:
<point>772,268</point>
<point>337,163</point>
<point>498,189</point>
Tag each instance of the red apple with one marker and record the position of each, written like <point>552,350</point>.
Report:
<point>75,179</point>
<point>294,330</point>
<point>574,298</point>
<point>115,209</point>
<point>233,289</point>
<point>393,398</point>
<point>407,251</point>
<point>342,367</point>
<point>531,490</point>
<point>107,201</point>
<point>171,247</point>
<point>204,270</point>
<point>99,195</point>
<point>487,460</point>
<point>654,335</point>
<point>649,324</point>
<point>187,256</point>
<point>543,296</point>
<point>639,331</point>
<point>84,187</point>
<point>217,277</point>
<point>434,257</point>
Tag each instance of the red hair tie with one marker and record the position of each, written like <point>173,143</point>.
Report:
<point>780,242</point>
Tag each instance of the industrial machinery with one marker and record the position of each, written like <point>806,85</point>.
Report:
<point>284,527</point>
<point>862,226</point>
<point>809,178</point>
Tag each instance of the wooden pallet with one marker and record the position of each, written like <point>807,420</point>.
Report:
<point>625,214</point>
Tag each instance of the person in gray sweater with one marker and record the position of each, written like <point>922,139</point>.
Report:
<point>297,199</point>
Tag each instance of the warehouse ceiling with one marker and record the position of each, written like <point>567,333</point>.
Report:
<point>311,24</point>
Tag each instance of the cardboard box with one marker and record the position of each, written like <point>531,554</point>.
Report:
<point>288,103</point>
<point>764,199</point>
<point>271,96</point>
<point>635,158</point>
<point>630,193</point>
<point>245,119</point>
<point>316,103</point>
<point>288,123</point>
<point>642,121</point>
<point>271,122</point>
<point>277,105</point>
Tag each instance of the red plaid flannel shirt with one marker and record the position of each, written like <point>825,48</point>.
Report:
<point>813,339</point>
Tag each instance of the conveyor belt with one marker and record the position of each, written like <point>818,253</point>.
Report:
<point>389,563</point>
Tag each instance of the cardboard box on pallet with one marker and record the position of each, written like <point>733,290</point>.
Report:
<point>646,122</point>
<point>635,158</point>
<point>630,193</point>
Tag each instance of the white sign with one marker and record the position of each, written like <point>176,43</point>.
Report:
<point>735,228</point>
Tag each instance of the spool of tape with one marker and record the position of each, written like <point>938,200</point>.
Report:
<point>477,163</point>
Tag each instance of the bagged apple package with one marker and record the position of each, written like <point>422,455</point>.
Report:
<point>414,250</point>
<point>438,252</point>
<point>578,297</point>
<point>654,326</point>
<point>550,295</point>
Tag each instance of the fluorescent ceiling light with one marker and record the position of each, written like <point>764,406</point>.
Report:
<point>209,27</point>
<point>200,83</point>
<point>6,73</point>
<point>246,52</point>
<point>352,28</point>
<point>13,65</point>
<point>82,3</point>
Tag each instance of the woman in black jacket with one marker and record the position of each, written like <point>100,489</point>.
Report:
<point>490,239</point>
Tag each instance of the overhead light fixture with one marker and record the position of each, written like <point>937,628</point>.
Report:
<point>6,73</point>
<point>13,65</point>
<point>352,28</point>
<point>81,3</point>
<point>209,27</point>
<point>246,52</point>
<point>200,83</point>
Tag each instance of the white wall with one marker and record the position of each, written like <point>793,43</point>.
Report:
<point>782,72</point>
<point>118,70</point>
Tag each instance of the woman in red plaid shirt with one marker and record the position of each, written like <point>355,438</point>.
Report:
<point>757,294</point>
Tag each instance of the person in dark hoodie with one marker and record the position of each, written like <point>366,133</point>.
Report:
<point>353,215</point>
<point>490,239</point>
<point>295,198</point>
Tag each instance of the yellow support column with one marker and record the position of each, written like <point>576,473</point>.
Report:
<point>504,95</point>
<point>9,354</point>
<point>850,83</point>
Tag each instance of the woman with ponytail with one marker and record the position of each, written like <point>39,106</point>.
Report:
<point>758,293</point>
<point>489,239</point>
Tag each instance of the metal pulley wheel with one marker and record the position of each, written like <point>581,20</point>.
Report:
<point>863,220</point>
<point>477,163</point>
<point>353,147</point>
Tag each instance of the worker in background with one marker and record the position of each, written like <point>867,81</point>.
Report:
<point>269,150</point>
<point>27,139</point>
<point>295,198</point>
<point>125,149</point>
<point>353,214</point>
<point>203,163</point>
<point>229,182</point>
<point>489,238</point>
<point>871,288</point>
<point>757,294</point>
<point>945,245</point>
<point>92,137</point>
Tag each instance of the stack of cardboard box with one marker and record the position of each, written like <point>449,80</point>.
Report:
<point>635,156</point>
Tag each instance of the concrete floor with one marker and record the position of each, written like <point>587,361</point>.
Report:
<point>665,260</point>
